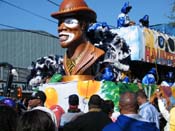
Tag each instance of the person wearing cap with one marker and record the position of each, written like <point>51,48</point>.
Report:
<point>74,17</point>
<point>123,19</point>
<point>73,110</point>
<point>9,102</point>
<point>94,120</point>
<point>37,101</point>
<point>144,22</point>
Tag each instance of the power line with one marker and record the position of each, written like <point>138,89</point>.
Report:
<point>36,32</point>
<point>53,2</point>
<point>25,10</point>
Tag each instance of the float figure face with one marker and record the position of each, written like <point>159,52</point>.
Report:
<point>70,32</point>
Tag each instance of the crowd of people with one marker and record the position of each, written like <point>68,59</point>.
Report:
<point>136,112</point>
<point>81,62</point>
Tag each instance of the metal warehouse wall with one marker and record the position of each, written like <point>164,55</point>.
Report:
<point>20,47</point>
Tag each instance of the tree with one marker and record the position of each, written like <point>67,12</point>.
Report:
<point>172,14</point>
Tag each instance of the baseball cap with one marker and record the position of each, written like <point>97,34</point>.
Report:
<point>73,99</point>
<point>9,102</point>
<point>39,95</point>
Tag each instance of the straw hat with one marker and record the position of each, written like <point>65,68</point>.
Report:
<point>75,7</point>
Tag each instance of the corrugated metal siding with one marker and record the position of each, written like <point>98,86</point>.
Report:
<point>20,48</point>
<point>22,74</point>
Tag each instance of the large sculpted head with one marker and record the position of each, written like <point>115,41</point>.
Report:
<point>73,17</point>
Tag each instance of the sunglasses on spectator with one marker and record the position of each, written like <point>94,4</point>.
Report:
<point>32,98</point>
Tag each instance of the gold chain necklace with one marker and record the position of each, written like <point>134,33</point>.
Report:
<point>71,63</point>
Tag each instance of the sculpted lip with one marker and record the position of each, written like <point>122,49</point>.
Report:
<point>63,36</point>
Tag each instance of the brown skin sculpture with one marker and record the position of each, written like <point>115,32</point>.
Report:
<point>74,16</point>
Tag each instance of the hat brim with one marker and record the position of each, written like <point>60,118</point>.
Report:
<point>141,20</point>
<point>83,11</point>
<point>129,7</point>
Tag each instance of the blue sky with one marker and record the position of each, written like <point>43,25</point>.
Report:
<point>107,10</point>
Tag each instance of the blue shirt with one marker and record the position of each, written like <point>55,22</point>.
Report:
<point>123,20</point>
<point>132,122</point>
<point>150,113</point>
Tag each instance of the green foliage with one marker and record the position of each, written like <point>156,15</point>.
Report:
<point>113,90</point>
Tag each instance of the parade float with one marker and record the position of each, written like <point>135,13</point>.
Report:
<point>131,51</point>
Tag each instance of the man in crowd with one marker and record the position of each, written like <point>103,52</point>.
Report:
<point>129,120</point>
<point>94,120</point>
<point>37,101</point>
<point>146,109</point>
<point>73,110</point>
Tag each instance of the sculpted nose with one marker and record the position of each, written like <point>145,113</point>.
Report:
<point>61,27</point>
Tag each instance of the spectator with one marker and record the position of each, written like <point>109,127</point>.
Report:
<point>73,110</point>
<point>163,110</point>
<point>9,102</point>
<point>94,120</point>
<point>35,120</point>
<point>22,105</point>
<point>129,120</point>
<point>8,118</point>
<point>123,19</point>
<point>12,103</point>
<point>172,119</point>
<point>167,111</point>
<point>37,98</point>
<point>37,101</point>
<point>146,109</point>
<point>108,107</point>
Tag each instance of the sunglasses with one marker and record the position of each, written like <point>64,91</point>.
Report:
<point>32,98</point>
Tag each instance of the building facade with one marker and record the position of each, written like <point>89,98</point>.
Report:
<point>20,47</point>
